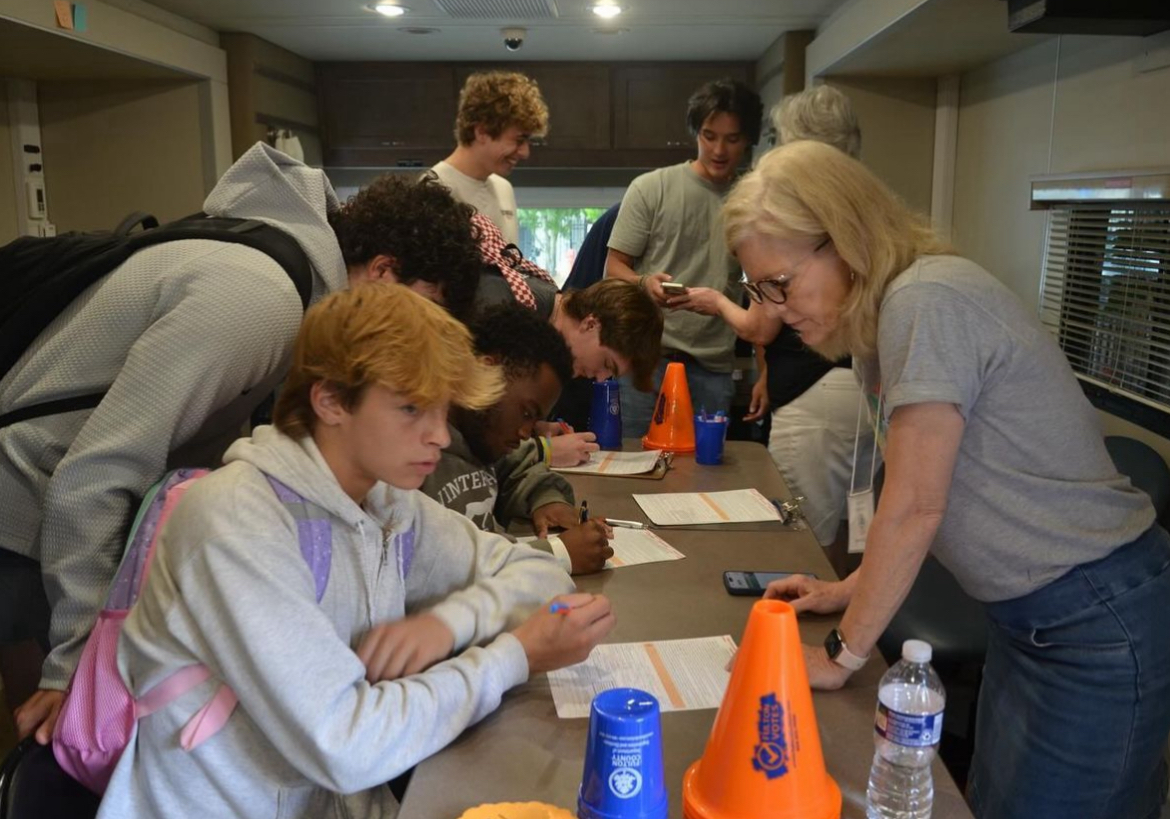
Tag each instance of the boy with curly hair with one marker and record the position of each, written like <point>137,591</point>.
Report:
<point>180,343</point>
<point>499,112</point>
<point>423,624</point>
<point>491,472</point>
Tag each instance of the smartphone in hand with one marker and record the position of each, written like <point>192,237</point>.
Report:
<point>674,288</point>
<point>752,584</point>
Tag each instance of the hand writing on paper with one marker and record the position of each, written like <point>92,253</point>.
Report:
<point>557,515</point>
<point>572,449</point>
<point>555,640</point>
<point>588,545</point>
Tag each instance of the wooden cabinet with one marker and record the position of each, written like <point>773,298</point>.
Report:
<point>650,101</point>
<point>601,116</point>
<point>381,110</point>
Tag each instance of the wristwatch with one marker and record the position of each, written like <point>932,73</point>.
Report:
<point>840,654</point>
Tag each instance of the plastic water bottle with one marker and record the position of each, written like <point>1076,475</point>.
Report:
<point>907,728</point>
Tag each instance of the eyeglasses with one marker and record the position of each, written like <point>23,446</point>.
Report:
<point>776,290</point>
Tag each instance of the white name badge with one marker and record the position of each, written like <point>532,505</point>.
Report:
<point>860,516</point>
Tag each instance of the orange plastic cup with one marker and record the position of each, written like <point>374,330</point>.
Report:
<point>672,426</point>
<point>763,759</point>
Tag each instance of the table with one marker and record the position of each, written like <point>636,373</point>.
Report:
<point>523,752</point>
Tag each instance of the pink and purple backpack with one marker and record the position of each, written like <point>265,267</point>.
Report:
<point>98,715</point>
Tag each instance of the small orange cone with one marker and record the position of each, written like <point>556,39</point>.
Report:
<point>672,427</point>
<point>763,759</point>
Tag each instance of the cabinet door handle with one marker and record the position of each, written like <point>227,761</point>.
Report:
<point>393,143</point>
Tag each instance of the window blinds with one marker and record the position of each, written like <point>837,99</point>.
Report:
<point>1106,294</point>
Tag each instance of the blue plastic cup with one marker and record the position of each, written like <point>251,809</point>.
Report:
<point>709,436</point>
<point>623,758</point>
<point>605,414</point>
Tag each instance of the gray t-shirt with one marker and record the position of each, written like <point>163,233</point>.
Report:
<point>670,221</point>
<point>493,197</point>
<point>1034,491</point>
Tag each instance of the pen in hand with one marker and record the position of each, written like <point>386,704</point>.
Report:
<point>584,511</point>
<point>559,608</point>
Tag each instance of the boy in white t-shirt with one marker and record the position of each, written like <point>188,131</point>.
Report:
<point>498,113</point>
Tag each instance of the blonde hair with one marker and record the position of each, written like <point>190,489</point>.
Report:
<point>383,334</point>
<point>805,191</point>
<point>498,100</point>
<point>822,113</point>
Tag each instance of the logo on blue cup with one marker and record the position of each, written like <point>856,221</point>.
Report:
<point>771,755</point>
<point>625,783</point>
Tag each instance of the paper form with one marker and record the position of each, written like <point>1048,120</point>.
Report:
<point>684,675</point>
<point>680,508</point>
<point>616,463</point>
<point>632,547</point>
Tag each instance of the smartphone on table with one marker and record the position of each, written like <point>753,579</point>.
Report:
<point>752,584</point>
<point>674,288</point>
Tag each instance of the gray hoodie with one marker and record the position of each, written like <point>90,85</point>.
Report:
<point>229,589</point>
<point>187,337</point>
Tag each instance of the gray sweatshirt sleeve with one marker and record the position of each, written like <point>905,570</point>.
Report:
<point>478,583</point>
<point>231,326</point>
<point>525,484</point>
<point>305,688</point>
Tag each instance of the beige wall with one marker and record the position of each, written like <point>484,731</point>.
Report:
<point>897,131</point>
<point>1067,105</point>
<point>114,147</point>
<point>8,220</point>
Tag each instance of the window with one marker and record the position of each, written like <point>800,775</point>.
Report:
<point>550,236</point>
<point>1106,294</point>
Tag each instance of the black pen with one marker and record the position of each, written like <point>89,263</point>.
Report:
<point>584,511</point>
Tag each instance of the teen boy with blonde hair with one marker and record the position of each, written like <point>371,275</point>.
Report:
<point>407,646</point>
<point>499,112</point>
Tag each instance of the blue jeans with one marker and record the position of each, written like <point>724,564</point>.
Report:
<point>709,390</point>
<point>1075,705</point>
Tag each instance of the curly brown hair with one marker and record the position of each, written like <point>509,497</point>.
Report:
<point>422,227</point>
<point>498,100</point>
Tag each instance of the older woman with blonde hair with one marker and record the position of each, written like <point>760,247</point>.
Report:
<point>995,462</point>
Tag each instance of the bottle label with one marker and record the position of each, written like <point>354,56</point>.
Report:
<point>911,730</point>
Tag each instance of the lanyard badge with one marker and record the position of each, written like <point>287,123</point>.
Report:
<point>861,502</point>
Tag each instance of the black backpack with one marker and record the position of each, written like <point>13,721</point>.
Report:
<point>39,277</point>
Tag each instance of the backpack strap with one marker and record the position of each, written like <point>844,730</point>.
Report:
<point>315,536</point>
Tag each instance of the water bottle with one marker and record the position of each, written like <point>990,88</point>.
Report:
<point>906,731</point>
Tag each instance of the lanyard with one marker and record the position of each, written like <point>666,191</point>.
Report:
<point>857,436</point>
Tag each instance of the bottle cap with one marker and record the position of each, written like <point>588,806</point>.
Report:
<point>917,651</point>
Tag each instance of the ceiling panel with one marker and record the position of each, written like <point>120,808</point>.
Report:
<point>648,29</point>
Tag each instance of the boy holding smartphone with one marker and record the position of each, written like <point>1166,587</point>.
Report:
<point>668,236</point>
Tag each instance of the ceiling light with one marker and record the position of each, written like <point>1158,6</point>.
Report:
<point>607,10</point>
<point>388,9</point>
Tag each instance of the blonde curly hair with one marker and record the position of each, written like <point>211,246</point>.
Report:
<point>498,100</point>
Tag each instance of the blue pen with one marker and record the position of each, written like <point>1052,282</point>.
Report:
<point>558,608</point>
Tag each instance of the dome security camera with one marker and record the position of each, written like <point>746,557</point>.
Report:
<point>513,38</point>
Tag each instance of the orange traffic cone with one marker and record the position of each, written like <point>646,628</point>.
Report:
<point>672,427</point>
<point>763,759</point>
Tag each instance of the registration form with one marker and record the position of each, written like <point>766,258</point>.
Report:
<point>616,463</point>
<point>694,508</point>
<point>684,675</point>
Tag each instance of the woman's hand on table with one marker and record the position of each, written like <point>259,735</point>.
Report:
<point>823,673</point>
<point>806,593</point>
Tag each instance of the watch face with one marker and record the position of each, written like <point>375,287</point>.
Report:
<point>834,643</point>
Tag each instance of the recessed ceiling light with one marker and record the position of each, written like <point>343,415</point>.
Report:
<point>388,9</point>
<point>607,10</point>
